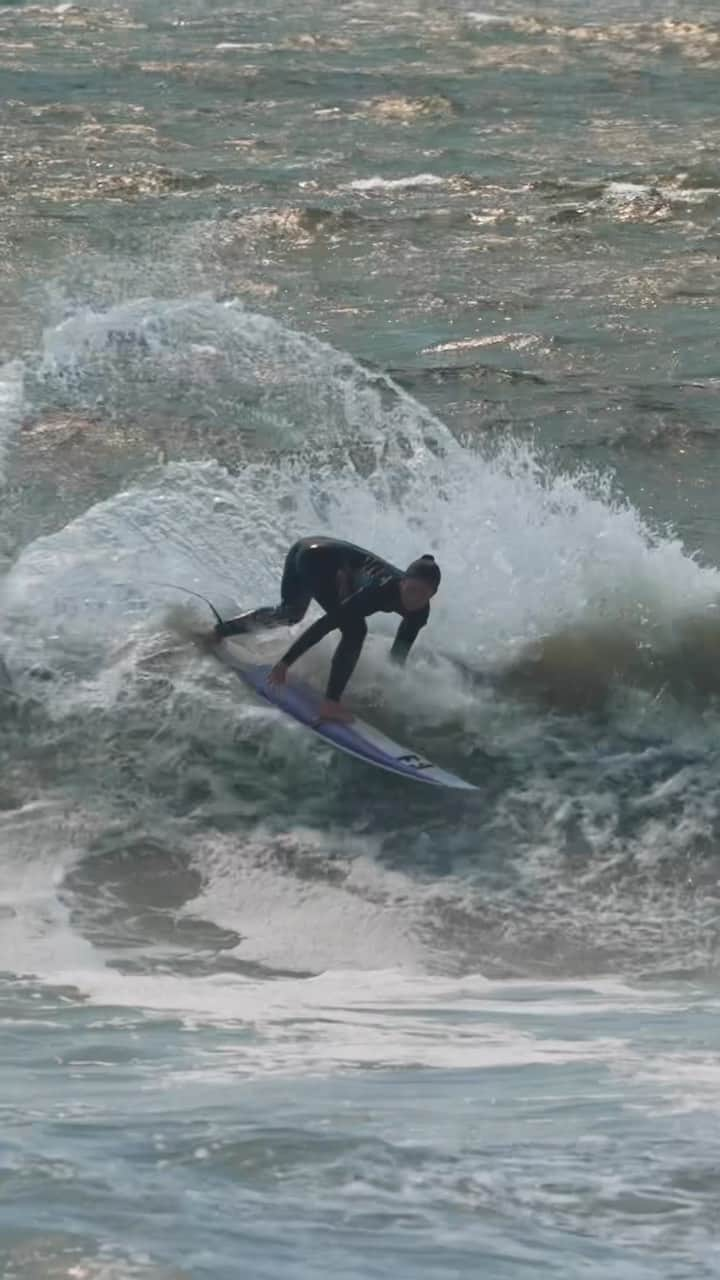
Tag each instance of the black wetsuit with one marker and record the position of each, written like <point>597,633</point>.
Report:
<point>350,584</point>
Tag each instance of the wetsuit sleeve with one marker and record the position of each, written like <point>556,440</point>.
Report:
<point>346,616</point>
<point>407,633</point>
<point>310,636</point>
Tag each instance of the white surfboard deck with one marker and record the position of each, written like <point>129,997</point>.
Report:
<point>300,701</point>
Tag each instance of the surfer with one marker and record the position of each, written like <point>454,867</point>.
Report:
<point>349,583</point>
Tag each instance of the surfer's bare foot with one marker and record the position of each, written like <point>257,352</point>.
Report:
<point>278,675</point>
<point>330,710</point>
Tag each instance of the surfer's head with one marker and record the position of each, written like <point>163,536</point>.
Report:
<point>419,583</point>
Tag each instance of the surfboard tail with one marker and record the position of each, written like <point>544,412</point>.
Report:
<point>262,619</point>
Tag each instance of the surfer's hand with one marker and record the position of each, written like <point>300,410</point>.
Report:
<point>278,675</point>
<point>330,710</point>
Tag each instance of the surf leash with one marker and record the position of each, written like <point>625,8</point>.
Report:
<point>174,586</point>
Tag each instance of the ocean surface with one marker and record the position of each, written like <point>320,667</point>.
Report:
<point>435,277</point>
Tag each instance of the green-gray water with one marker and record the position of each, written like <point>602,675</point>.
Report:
<point>433,279</point>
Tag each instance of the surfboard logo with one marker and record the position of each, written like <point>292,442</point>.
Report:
<point>415,762</point>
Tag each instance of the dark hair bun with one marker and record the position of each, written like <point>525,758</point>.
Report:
<point>426,569</point>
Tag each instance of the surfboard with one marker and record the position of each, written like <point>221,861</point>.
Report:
<point>301,702</point>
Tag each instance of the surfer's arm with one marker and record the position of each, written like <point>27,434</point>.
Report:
<point>345,658</point>
<point>312,635</point>
<point>407,633</point>
<point>349,618</point>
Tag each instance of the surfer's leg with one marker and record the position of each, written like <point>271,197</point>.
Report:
<point>295,593</point>
<point>296,588</point>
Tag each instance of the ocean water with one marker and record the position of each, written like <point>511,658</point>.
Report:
<point>443,278</point>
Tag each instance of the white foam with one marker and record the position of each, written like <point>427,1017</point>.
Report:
<point>397,184</point>
<point>242,368</point>
<point>628,191</point>
<point>687,1080</point>
<point>245,47</point>
<point>308,900</point>
<point>40,842</point>
<point>347,1020</point>
<point>486,19</point>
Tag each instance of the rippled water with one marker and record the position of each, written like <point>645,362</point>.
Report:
<point>434,279</point>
